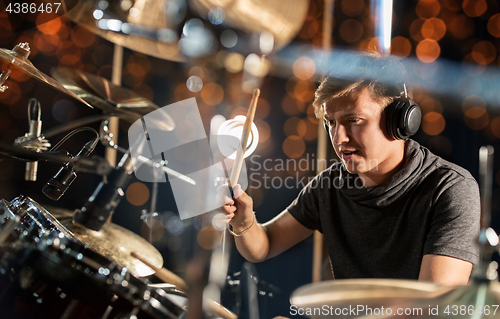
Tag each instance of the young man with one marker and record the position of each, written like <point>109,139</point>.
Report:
<point>389,209</point>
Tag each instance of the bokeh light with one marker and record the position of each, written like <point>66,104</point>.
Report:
<point>137,194</point>
<point>433,123</point>
<point>474,8</point>
<point>292,106</point>
<point>208,237</point>
<point>494,25</point>
<point>352,8</point>
<point>401,47</point>
<point>495,127</point>
<point>304,68</point>
<point>290,127</point>
<point>476,118</point>
<point>294,146</point>
<point>428,50</point>
<point>484,52</point>
<point>434,29</point>
<point>461,27</point>
<point>351,30</point>
<point>427,9</point>
<point>473,101</point>
<point>212,93</point>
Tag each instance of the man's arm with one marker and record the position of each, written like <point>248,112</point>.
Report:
<point>445,270</point>
<point>260,242</point>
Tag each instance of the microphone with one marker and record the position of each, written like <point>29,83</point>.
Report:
<point>35,119</point>
<point>96,211</point>
<point>59,183</point>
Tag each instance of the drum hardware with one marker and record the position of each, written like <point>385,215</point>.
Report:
<point>171,278</point>
<point>18,59</point>
<point>33,140</point>
<point>93,164</point>
<point>59,183</point>
<point>60,278</point>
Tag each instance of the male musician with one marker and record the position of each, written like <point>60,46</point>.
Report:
<point>389,209</point>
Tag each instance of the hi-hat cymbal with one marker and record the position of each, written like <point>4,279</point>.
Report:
<point>113,242</point>
<point>20,62</point>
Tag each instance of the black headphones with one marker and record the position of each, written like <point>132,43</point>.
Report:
<point>403,117</point>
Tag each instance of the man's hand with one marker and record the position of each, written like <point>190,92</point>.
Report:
<point>239,211</point>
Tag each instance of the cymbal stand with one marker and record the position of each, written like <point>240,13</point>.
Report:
<point>488,238</point>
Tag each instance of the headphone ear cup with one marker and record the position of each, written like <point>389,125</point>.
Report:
<point>403,118</point>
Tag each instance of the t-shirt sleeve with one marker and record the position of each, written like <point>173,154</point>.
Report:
<point>305,208</point>
<point>456,221</point>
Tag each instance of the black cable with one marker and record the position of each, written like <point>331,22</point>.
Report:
<point>70,134</point>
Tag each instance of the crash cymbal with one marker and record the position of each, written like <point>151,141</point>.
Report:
<point>117,243</point>
<point>283,19</point>
<point>18,58</point>
<point>373,293</point>
<point>112,241</point>
<point>167,29</point>
<point>144,26</point>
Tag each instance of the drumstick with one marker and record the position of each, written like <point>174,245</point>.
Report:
<point>163,273</point>
<point>247,127</point>
<point>171,278</point>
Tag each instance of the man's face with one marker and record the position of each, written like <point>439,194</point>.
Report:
<point>357,130</point>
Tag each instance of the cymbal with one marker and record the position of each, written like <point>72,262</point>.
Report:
<point>108,97</point>
<point>157,27</point>
<point>148,31</point>
<point>113,242</point>
<point>373,293</point>
<point>21,62</point>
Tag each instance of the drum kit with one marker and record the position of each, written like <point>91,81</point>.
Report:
<point>52,266</point>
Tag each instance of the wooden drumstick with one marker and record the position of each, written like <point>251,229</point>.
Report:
<point>163,273</point>
<point>247,127</point>
<point>171,278</point>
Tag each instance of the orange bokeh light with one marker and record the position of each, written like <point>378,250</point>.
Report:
<point>433,29</point>
<point>352,8</point>
<point>428,50</point>
<point>474,8</point>
<point>427,9</point>
<point>476,118</point>
<point>351,30</point>
<point>82,37</point>
<point>494,25</point>
<point>484,52</point>
<point>461,27</point>
<point>401,47</point>
<point>433,123</point>
<point>294,146</point>
<point>137,194</point>
<point>304,68</point>
<point>212,93</point>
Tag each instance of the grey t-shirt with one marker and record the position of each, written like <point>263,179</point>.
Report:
<point>430,206</point>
